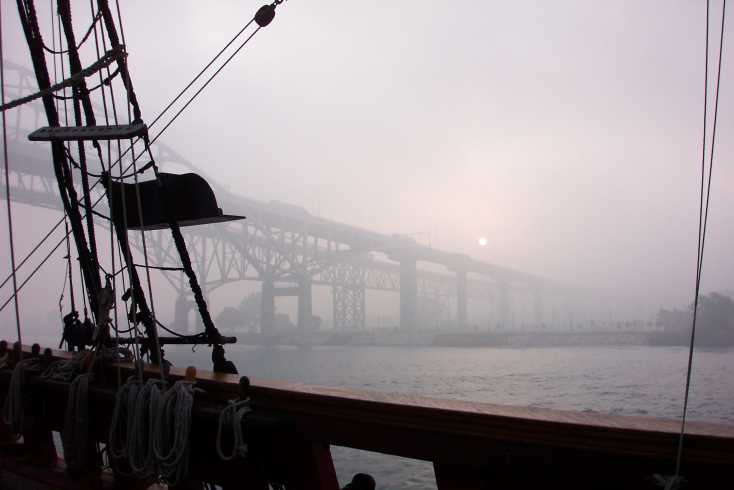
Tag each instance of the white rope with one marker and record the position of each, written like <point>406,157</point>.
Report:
<point>118,439</point>
<point>142,429</point>
<point>76,422</point>
<point>171,442</point>
<point>234,415</point>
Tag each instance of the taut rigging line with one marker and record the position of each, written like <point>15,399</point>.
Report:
<point>703,212</point>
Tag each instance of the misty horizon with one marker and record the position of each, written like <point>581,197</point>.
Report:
<point>567,135</point>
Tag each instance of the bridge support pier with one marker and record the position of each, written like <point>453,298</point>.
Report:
<point>348,297</point>
<point>537,307</point>
<point>461,316</point>
<point>408,293</point>
<point>267,305</point>
<point>305,305</point>
<point>184,305</point>
<point>504,304</point>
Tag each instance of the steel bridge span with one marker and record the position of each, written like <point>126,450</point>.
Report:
<point>288,250</point>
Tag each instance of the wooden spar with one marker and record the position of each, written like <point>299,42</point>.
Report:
<point>471,444</point>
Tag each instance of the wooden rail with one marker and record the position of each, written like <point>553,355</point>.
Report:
<point>472,445</point>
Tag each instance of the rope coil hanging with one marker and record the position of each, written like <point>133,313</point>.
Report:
<point>14,407</point>
<point>76,422</point>
<point>142,428</point>
<point>120,425</point>
<point>171,443</point>
<point>234,417</point>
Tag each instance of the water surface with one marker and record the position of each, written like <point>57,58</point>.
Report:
<point>645,381</point>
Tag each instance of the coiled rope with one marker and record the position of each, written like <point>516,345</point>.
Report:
<point>171,443</point>
<point>119,436</point>
<point>76,422</point>
<point>142,428</point>
<point>13,408</point>
<point>234,416</point>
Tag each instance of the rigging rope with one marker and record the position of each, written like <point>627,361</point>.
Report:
<point>68,262</point>
<point>171,441</point>
<point>109,57</point>
<point>30,276</point>
<point>81,43</point>
<point>675,480</point>
<point>119,435</point>
<point>233,415</point>
<point>143,428</point>
<point>11,238</point>
<point>76,422</point>
<point>14,407</point>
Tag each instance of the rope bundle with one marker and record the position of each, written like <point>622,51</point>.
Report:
<point>76,422</point>
<point>171,443</point>
<point>233,415</point>
<point>119,436</point>
<point>142,428</point>
<point>150,428</point>
<point>13,409</point>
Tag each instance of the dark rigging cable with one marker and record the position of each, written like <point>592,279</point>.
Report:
<point>702,220</point>
<point>7,188</point>
<point>193,80</point>
<point>81,43</point>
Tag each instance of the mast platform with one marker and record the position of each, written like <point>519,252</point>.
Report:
<point>89,133</point>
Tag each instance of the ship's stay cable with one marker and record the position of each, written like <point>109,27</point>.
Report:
<point>33,273</point>
<point>68,265</point>
<point>122,255</point>
<point>61,296</point>
<point>114,245</point>
<point>704,201</point>
<point>148,313</point>
<point>198,75</point>
<point>11,238</point>
<point>33,251</point>
<point>84,296</point>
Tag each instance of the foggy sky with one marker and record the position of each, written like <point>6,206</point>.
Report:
<point>568,133</point>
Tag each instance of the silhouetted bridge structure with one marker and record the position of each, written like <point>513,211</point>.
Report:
<point>288,250</point>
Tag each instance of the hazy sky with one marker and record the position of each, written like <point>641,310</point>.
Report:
<point>568,133</point>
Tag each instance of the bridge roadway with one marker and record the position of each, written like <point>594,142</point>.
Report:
<point>288,250</point>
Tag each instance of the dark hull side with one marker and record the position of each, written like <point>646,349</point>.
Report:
<point>471,445</point>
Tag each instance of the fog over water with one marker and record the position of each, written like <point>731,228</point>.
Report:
<point>567,133</point>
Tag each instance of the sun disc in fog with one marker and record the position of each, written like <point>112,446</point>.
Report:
<point>482,241</point>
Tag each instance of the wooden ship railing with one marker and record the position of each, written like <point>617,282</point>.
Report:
<point>471,445</point>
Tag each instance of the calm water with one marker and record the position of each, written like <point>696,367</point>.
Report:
<point>619,380</point>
